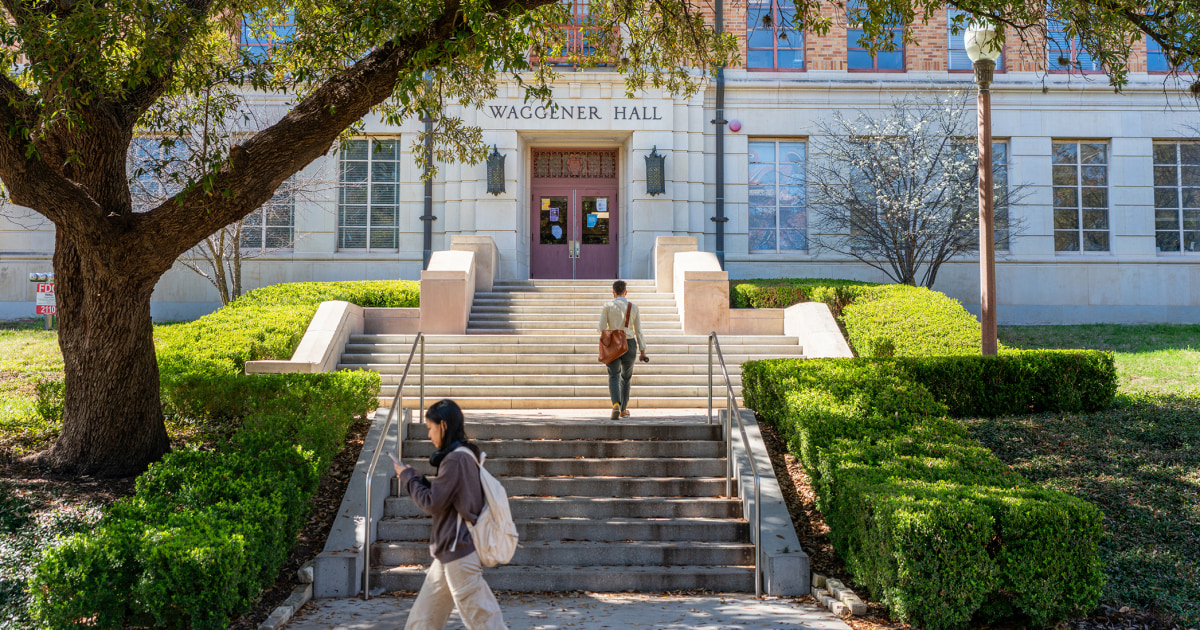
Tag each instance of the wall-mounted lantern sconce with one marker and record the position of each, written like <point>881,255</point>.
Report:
<point>655,173</point>
<point>495,172</point>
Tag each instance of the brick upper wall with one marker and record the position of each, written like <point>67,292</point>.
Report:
<point>926,53</point>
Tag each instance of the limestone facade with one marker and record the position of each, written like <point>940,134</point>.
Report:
<point>1032,110</point>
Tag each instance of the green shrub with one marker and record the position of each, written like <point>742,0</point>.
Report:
<point>880,320</point>
<point>50,396</point>
<point>932,523</point>
<point>208,529</point>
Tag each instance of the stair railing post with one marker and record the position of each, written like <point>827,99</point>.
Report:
<point>757,531</point>
<point>397,414</point>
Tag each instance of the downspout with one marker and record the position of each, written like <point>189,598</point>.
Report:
<point>427,219</point>
<point>720,122</point>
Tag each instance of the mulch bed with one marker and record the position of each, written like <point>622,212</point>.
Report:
<point>50,490</point>
<point>814,538</point>
<point>311,539</point>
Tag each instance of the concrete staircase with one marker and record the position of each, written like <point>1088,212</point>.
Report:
<point>533,344</point>
<point>600,506</point>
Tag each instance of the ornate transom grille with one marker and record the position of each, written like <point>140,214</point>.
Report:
<point>575,164</point>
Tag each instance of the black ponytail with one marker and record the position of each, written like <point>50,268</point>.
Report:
<point>447,413</point>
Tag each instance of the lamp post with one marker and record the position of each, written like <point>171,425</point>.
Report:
<point>983,47</point>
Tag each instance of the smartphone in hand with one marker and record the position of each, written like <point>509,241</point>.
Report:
<point>395,461</point>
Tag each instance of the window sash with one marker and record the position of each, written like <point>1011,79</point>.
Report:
<point>956,48</point>
<point>368,194</point>
<point>1177,197</point>
<point>276,34</point>
<point>1059,47</point>
<point>272,226</point>
<point>1081,199</point>
<point>777,209</point>
<point>786,49</point>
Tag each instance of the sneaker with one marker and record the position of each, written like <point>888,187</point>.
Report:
<point>616,411</point>
<point>625,413</point>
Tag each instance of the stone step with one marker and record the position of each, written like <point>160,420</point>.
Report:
<point>589,369</point>
<point>584,578</point>
<point>566,319</point>
<point>573,449</point>
<point>631,291</point>
<point>560,299</point>
<point>411,401</point>
<point>591,378</point>
<point>581,430</point>
<point>614,529</point>
<point>590,553</point>
<point>594,507</point>
<point>595,486</point>
<point>594,311</point>
<point>597,390</point>
<point>672,339</point>
<point>583,356</point>
<point>447,353</point>
<point>629,284</point>
<point>503,467</point>
<point>555,324</point>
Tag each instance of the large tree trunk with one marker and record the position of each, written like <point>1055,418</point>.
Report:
<point>112,420</point>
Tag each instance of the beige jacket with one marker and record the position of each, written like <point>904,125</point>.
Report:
<point>613,315</point>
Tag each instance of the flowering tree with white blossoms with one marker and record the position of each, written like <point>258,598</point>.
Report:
<point>898,189</point>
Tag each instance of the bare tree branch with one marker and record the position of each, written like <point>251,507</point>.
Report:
<point>897,190</point>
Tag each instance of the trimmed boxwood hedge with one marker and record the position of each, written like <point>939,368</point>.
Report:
<point>880,320</point>
<point>208,529</point>
<point>932,523</point>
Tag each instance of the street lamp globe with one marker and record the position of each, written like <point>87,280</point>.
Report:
<point>981,41</point>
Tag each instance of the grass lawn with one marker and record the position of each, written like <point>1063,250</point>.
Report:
<point>1139,461</point>
<point>27,354</point>
<point>1152,358</point>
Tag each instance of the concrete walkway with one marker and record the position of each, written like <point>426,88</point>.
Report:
<point>588,611</point>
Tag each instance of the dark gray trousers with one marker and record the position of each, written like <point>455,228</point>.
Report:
<point>620,371</point>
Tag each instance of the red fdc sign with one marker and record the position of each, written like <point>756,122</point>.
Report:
<point>46,304</point>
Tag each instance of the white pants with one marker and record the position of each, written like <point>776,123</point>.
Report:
<point>456,584</point>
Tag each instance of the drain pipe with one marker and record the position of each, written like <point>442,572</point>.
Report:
<point>720,122</point>
<point>428,217</point>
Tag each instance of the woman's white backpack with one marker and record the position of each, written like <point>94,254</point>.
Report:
<point>494,532</point>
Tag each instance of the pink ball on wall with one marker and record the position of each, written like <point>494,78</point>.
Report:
<point>735,125</point>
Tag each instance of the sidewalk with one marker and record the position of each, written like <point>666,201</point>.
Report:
<point>587,611</point>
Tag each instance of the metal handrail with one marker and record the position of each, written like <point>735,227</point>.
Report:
<point>397,403</point>
<point>732,411</point>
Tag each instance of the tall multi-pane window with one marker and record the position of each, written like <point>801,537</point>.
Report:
<point>259,37</point>
<point>368,194</point>
<point>956,45</point>
<point>1080,181</point>
<point>157,166</point>
<point>1177,196</point>
<point>1067,54</point>
<point>272,225</point>
<point>859,59</point>
<point>778,203</point>
<point>772,42</point>
<point>1157,62</point>
<point>1000,198</point>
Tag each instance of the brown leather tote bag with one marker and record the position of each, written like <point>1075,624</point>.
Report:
<point>613,343</point>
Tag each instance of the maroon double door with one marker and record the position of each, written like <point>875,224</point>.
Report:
<point>573,215</point>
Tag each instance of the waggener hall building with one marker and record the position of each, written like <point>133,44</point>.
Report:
<point>1112,218</point>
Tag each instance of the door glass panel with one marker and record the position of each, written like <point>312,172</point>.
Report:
<point>554,215</point>
<point>595,220</point>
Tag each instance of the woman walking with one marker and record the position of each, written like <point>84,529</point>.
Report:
<point>455,578</point>
<point>620,314</point>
